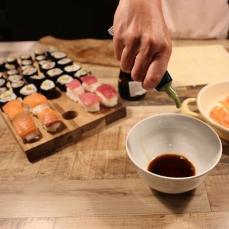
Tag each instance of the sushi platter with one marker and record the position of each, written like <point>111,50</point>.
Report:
<point>76,121</point>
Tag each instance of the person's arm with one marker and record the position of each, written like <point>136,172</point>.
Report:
<point>142,41</point>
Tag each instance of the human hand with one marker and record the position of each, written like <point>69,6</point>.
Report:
<point>142,41</point>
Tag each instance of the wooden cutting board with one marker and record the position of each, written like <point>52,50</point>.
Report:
<point>91,51</point>
<point>76,124</point>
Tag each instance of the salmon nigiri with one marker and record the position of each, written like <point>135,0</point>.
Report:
<point>36,102</point>
<point>49,119</point>
<point>25,127</point>
<point>13,109</point>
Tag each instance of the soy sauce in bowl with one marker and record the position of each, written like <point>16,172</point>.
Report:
<point>172,165</point>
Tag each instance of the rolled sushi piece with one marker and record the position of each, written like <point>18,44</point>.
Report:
<point>72,69</point>
<point>26,63</point>
<point>62,63</point>
<point>90,83</point>
<point>56,56</point>
<point>26,57</point>
<point>6,97</point>
<point>50,50</point>
<point>73,89</point>
<point>50,119</point>
<point>25,127</point>
<point>8,67</point>
<point>39,52</point>
<point>29,71</point>
<point>89,101</point>
<point>82,72</point>
<point>14,78</point>
<point>37,80</point>
<point>54,74</point>
<point>27,90</point>
<point>48,89</point>
<point>17,86</point>
<point>12,72</point>
<point>48,65</point>
<point>13,109</point>
<point>35,103</point>
<point>12,60</point>
<point>3,82</point>
<point>62,81</point>
<point>3,89</point>
<point>108,95</point>
<point>40,58</point>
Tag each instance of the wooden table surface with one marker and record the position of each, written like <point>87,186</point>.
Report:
<point>93,184</point>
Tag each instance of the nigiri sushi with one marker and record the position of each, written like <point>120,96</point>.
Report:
<point>89,101</point>
<point>73,89</point>
<point>90,83</point>
<point>49,119</point>
<point>108,95</point>
<point>25,127</point>
<point>36,102</point>
<point>13,109</point>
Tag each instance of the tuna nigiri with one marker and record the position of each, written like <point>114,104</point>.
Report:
<point>13,109</point>
<point>89,101</point>
<point>90,83</point>
<point>49,119</point>
<point>108,95</point>
<point>25,127</point>
<point>36,102</point>
<point>74,88</point>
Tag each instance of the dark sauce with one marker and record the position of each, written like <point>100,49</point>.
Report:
<point>172,165</point>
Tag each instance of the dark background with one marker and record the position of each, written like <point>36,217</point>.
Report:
<point>30,20</point>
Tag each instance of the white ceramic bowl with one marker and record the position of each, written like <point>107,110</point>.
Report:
<point>177,134</point>
<point>207,98</point>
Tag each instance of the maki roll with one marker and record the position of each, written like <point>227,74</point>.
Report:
<point>37,80</point>
<point>2,65</point>
<point>54,74</point>
<point>29,71</point>
<point>62,81</point>
<point>48,89</point>
<point>82,72</point>
<point>12,60</point>
<point>12,72</point>
<point>3,89</point>
<point>55,56</point>
<point>40,58</point>
<point>50,50</point>
<point>27,90</point>
<point>3,82</point>
<point>17,86</point>
<point>39,52</point>
<point>26,62</point>
<point>62,63</point>
<point>14,78</point>
<point>72,69</point>
<point>9,67</point>
<point>47,66</point>
<point>26,57</point>
<point>6,97</point>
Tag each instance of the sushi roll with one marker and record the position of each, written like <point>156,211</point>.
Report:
<point>48,89</point>
<point>50,50</point>
<point>17,86</point>
<point>73,89</point>
<point>12,60</point>
<point>40,58</point>
<point>14,78</point>
<point>9,67</point>
<point>62,63</point>
<point>47,66</point>
<point>26,57</point>
<point>27,90</point>
<point>90,83</point>
<point>2,65</point>
<point>89,101</point>
<point>6,97</point>
<point>56,56</point>
<point>12,72</point>
<point>62,81</point>
<point>37,80</point>
<point>72,69</point>
<point>35,103</point>
<point>3,82</point>
<point>54,74</point>
<point>108,95</point>
<point>50,119</point>
<point>25,127</point>
<point>82,72</point>
<point>39,52</point>
<point>29,71</point>
<point>3,89</point>
<point>26,63</point>
<point>13,109</point>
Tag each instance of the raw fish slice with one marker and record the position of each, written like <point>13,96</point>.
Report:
<point>50,119</point>
<point>90,83</point>
<point>34,100</point>
<point>13,109</point>
<point>74,88</point>
<point>90,101</point>
<point>25,127</point>
<point>108,95</point>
